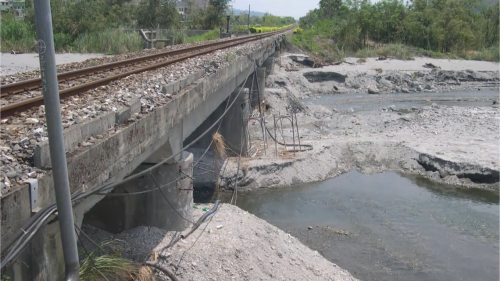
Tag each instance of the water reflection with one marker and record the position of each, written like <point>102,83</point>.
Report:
<point>399,228</point>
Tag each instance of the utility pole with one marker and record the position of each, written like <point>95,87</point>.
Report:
<point>248,17</point>
<point>50,89</point>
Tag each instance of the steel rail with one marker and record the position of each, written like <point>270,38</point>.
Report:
<point>31,84</point>
<point>24,105</point>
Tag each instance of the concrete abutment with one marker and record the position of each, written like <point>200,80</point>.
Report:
<point>143,207</point>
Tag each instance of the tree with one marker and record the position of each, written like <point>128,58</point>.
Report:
<point>330,8</point>
<point>215,14</point>
<point>154,13</point>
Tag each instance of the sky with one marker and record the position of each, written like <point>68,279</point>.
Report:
<point>293,8</point>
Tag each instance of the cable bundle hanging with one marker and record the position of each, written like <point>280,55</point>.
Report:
<point>17,243</point>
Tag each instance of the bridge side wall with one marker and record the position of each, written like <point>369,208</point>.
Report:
<point>115,156</point>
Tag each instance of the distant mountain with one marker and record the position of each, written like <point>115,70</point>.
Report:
<point>252,13</point>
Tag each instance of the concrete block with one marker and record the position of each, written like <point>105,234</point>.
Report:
<point>98,126</point>
<point>176,87</point>
<point>189,79</point>
<point>167,89</point>
<point>46,192</point>
<point>199,74</point>
<point>148,126</point>
<point>135,106</point>
<point>122,115</point>
<point>183,83</point>
<point>171,112</point>
<point>72,137</point>
<point>41,156</point>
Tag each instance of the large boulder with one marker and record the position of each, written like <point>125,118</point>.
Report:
<point>385,83</point>
<point>373,90</point>
<point>322,76</point>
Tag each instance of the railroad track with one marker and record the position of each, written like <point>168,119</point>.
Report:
<point>81,80</point>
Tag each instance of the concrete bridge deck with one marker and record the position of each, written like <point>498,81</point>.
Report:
<point>150,139</point>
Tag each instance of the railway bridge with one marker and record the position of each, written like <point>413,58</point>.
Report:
<point>102,171</point>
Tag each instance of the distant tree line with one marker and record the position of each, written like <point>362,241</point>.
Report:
<point>440,25</point>
<point>88,25</point>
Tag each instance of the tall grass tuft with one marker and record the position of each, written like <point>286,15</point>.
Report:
<point>211,35</point>
<point>398,51</point>
<point>110,41</point>
<point>219,145</point>
<point>489,54</point>
<point>220,150</point>
<point>111,267</point>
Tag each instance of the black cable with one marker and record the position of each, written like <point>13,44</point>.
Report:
<point>89,256</point>
<point>212,141</point>
<point>148,170</point>
<point>139,192</point>
<point>21,234</point>
<point>88,238</point>
<point>201,233</point>
<point>162,269</point>
<point>168,201</point>
<point>235,188</point>
<point>38,220</point>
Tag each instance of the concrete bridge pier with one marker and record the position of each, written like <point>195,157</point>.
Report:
<point>143,207</point>
<point>261,75</point>
<point>232,127</point>
<point>269,65</point>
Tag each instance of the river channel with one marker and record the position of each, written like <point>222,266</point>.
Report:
<point>389,227</point>
<point>364,102</point>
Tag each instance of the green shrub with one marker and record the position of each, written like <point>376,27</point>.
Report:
<point>211,35</point>
<point>62,41</point>
<point>110,41</point>
<point>489,54</point>
<point>298,30</point>
<point>16,34</point>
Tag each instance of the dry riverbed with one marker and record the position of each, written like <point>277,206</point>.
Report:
<point>457,145</point>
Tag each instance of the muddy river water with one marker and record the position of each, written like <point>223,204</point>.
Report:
<point>389,227</point>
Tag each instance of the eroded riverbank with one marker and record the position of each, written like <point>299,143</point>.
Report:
<point>455,144</point>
